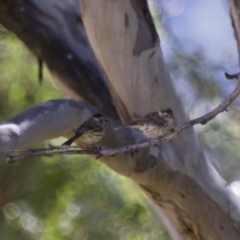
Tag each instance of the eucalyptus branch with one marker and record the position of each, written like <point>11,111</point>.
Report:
<point>49,152</point>
<point>99,152</point>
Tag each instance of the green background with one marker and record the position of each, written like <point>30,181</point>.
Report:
<point>70,197</point>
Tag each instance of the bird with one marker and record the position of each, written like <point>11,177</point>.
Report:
<point>90,132</point>
<point>155,124</point>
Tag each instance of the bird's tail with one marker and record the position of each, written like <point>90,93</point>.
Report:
<point>70,141</point>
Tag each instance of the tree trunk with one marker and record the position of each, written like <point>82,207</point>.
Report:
<point>122,33</point>
<point>53,30</point>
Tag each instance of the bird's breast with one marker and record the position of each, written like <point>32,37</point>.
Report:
<point>92,137</point>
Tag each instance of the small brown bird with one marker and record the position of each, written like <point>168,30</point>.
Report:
<point>90,132</point>
<point>154,124</point>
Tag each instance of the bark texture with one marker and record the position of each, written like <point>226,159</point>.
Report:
<point>179,178</point>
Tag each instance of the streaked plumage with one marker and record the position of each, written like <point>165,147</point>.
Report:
<point>154,124</point>
<point>90,132</point>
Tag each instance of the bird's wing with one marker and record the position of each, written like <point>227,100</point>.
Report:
<point>89,126</point>
<point>151,118</point>
<point>144,120</point>
<point>137,121</point>
<point>155,118</point>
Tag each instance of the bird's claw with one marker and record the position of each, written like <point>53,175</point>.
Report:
<point>93,148</point>
<point>152,143</point>
<point>130,152</point>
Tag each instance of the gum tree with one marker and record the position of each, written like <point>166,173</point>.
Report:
<point>128,79</point>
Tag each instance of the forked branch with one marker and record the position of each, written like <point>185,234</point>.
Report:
<point>99,152</point>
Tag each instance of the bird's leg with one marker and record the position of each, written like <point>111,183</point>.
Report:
<point>159,147</point>
<point>99,147</point>
<point>93,147</point>
<point>160,143</point>
<point>130,151</point>
<point>87,146</point>
<point>152,142</point>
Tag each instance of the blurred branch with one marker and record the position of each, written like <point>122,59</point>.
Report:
<point>135,147</point>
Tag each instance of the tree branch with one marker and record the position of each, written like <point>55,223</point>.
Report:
<point>99,152</point>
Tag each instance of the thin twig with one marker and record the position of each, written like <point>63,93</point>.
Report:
<point>49,152</point>
<point>99,152</point>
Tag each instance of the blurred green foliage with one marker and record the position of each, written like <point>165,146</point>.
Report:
<point>19,78</point>
<point>61,198</point>
<point>207,87</point>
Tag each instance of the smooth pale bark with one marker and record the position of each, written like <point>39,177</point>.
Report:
<point>181,181</point>
<point>41,122</point>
